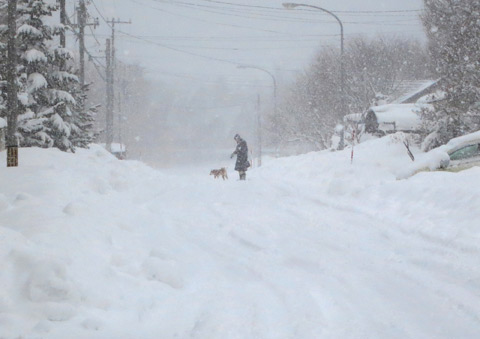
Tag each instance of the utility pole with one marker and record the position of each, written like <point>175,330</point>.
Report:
<point>63,21</point>
<point>259,132</point>
<point>12,104</point>
<point>122,133</point>
<point>110,99</point>
<point>110,54</point>
<point>112,23</point>
<point>82,22</point>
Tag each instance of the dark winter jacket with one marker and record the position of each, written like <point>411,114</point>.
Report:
<point>241,151</point>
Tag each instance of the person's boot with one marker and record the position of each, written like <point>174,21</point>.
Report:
<point>243,176</point>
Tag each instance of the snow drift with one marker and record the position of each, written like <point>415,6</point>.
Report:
<point>309,247</point>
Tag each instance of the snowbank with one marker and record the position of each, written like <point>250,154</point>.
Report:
<point>309,247</point>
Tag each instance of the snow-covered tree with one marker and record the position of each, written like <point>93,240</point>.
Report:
<point>33,70</point>
<point>313,106</point>
<point>83,120</point>
<point>453,30</point>
<point>51,108</point>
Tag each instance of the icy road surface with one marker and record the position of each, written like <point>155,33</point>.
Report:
<point>308,247</point>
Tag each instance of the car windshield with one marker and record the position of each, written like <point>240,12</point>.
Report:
<point>465,152</point>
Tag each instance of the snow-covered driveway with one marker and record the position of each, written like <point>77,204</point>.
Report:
<point>308,247</point>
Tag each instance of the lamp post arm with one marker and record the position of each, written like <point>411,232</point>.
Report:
<point>274,83</point>
<point>291,5</point>
<point>328,12</point>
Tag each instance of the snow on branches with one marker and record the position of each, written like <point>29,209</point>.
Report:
<point>453,30</point>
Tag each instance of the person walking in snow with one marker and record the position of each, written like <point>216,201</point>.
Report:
<point>241,151</point>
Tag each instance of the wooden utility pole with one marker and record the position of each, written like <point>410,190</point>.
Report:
<point>63,21</point>
<point>110,99</point>
<point>82,22</point>
<point>12,104</point>
<point>110,54</point>
<point>112,23</point>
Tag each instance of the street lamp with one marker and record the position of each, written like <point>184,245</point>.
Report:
<point>274,83</point>
<point>289,5</point>
<point>258,116</point>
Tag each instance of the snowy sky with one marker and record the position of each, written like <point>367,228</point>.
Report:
<point>170,34</point>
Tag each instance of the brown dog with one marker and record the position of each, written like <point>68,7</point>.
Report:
<point>219,172</point>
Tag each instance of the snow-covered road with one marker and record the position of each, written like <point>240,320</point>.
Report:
<point>284,262</point>
<point>308,247</point>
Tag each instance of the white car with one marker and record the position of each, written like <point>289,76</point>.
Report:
<point>463,152</point>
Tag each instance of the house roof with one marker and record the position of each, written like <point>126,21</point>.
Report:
<point>405,116</point>
<point>407,91</point>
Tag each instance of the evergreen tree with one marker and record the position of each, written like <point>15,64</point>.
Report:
<point>453,30</point>
<point>62,82</point>
<point>83,119</point>
<point>50,100</point>
<point>33,72</point>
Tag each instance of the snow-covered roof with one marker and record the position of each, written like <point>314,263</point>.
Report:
<point>405,116</point>
<point>3,123</point>
<point>409,89</point>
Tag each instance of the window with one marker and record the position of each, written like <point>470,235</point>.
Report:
<point>465,152</point>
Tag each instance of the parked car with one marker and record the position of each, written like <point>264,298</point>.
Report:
<point>463,152</point>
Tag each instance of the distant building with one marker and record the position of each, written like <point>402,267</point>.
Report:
<point>400,113</point>
<point>392,118</point>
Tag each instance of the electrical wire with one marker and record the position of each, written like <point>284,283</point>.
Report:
<point>282,9</point>
<point>91,57</point>
<point>257,16</point>
<point>207,21</point>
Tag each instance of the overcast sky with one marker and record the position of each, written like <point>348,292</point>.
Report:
<point>174,39</point>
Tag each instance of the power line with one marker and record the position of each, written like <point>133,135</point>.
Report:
<point>94,36</point>
<point>281,9</point>
<point>209,22</point>
<point>147,39</point>
<point>313,37</point>
<point>184,76</point>
<point>248,13</point>
<point>265,17</point>
<point>246,48</point>
<point>100,13</point>
<point>91,57</point>
<point>179,50</point>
